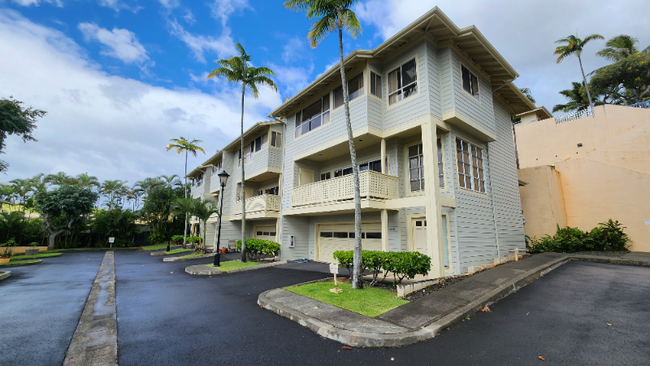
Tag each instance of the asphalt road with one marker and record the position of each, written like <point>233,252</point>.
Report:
<point>40,306</point>
<point>167,318</point>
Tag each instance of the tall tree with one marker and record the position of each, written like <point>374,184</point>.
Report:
<point>574,46</point>
<point>619,48</point>
<point>16,120</point>
<point>576,99</point>
<point>337,15</point>
<point>88,181</point>
<point>62,207</point>
<point>60,179</point>
<point>114,191</point>
<point>238,69</point>
<point>23,189</point>
<point>183,145</point>
<point>204,209</point>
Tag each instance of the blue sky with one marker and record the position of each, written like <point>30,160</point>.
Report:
<point>119,78</point>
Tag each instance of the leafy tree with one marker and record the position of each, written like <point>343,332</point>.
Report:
<point>237,69</point>
<point>574,46</point>
<point>156,210</point>
<point>89,181</point>
<point>22,189</point>
<point>60,179</point>
<point>619,48</point>
<point>62,207</point>
<point>577,99</point>
<point>117,223</point>
<point>183,145</point>
<point>336,15</point>
<point>16,120</point>
<point>14,226</point>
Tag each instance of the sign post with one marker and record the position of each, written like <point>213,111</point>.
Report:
<point>111,240</point>
<point>334,269</point>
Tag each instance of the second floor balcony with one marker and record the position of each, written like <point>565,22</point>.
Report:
<point>371,185</point>
<point>261,206</point>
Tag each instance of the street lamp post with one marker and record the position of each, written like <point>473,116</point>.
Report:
<point>223,179</point>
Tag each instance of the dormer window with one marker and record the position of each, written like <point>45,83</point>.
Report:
<point>402,82</point>
<point>314,116</point>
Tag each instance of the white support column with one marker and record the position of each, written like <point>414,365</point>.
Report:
<point>432,199</point>
<point>384,230</point>
<point>383,156</point>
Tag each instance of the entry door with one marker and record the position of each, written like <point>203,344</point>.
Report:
<point>420,236</point>
<point>265,232</point>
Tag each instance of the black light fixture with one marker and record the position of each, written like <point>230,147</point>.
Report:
<point>223,179</point>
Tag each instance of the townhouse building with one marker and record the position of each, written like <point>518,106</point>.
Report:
<point>431,112</point>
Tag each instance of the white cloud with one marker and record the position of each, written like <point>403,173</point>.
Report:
<point>38,2</point>
<point>169,4</point>
<point>223,45</point>
<point>109,126</point>
<point>189,17</point>
<point>118,5</point>
<point>294,50</point>
<point>292,79</point>
<point>524,32</point>
<point>222,9</point>
<point>119,43</point>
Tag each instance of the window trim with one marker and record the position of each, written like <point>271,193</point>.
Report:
<point>381,87</point>
<point>417,82</point>
<point>476,96</point>
<point>408,190</point>
<point>278,139</point>
<point>471,167</point>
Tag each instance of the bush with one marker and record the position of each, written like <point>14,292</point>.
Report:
<point>257,249</point>
<point>156,238</point>
<point>401,264</point>
<point>607,236</point>
<point>177,238</point>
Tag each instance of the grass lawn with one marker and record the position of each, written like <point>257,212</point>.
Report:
<point>156,247</point>
<point>181,250</point>
<point>18,262</point>
<point>369,301</point>
<point>20,257</point>
<point>232,265</point>
<point>193,255</point>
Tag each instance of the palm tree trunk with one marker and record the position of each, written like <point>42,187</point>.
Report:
<point>243,178</point>
<point>584,80</point>
<point>357,282</point>
<point>185,195</point>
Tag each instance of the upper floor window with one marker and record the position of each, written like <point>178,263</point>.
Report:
<point>314,116</point>
<point>375,84</point>
<point>216,168</point>
<point>402,82</point>
<point>441,166</point>
<point>276,139</point>
<point>374,165</point>
<point>416,168</point>
<point>198,180</point>
<point>470,81</point>
<point>355,89</point>
<point>471,173</point>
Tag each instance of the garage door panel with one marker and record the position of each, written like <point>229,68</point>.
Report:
<point>332,238</point>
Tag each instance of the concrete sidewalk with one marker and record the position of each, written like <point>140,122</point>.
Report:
<point>423,318</point>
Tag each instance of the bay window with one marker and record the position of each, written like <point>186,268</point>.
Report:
<point>314,116</point>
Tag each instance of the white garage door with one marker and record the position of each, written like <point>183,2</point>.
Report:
<point>333,237</point>
<point>266,232</point>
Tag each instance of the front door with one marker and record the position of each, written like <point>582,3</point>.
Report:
<point>420,236</point>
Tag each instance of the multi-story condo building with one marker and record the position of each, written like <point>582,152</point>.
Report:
<point>431,117</point>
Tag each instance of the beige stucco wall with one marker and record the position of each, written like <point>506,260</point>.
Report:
<point>542,200</point>
<point>608,177</point>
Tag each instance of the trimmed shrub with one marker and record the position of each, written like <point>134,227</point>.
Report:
<point>607,236</point>
<point>258,249</point>
<point>401,264</point>
<point>177,238</point>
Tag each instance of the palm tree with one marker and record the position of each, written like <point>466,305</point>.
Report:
<point>170,182</point>
<point>183,206</point>
<point>22,188</point>
<point>574,45</point>
<point>337,15</point>
<point>88,181</point>
<point>528,94</point>
<point>204,210</point>
<point>577,99</point>
<point>182,144</point>
<point>60,179</point>
<point>619,48</point>
<point>114,191</point>
<point>237,69</point>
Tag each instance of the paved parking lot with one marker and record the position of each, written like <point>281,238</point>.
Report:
<point>167,318</point>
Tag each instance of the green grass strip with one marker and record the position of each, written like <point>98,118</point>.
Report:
<point>232,265</point>
<point>181,250</point>
<point>44,255</point>
<point>155,247</point>
<point>193,255</point>
<point>18,262</point>
<point>369,302</point>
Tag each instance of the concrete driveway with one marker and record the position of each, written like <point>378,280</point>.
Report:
<point>169,318</point>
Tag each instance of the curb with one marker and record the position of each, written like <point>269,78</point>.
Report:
<point>156,250</point>
<point>181,259</point>
<point>367,339</point>
<point>203,270</point>
<point>161,253</point>
<point>609,260</point>
<point>4,275</point>
<point>37,261</point>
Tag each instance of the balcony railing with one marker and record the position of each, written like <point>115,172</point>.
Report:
<point>645,105</point>
<point>371,185</point>
<point>264,202</point>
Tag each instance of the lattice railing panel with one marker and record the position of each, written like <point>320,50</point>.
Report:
<point>371,185</point>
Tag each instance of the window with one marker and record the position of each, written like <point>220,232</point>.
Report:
<point>342,172</point>
<point>199,179</point>
<point>471,174</point>
<point>470,82</point>
<point>416,168</point>
<point>260,142</point>
<point>355,89</point>
<point>248,152</point>
<point>375,85</point>
<point>276,139</point>
<point>325,176</point>
<point>273,191</point>
<point>239,162</point>
<point>374,165</point>
<point>314,116</point>
<point>402,82</point>
<point>441,166</point>
<point>216,168</point>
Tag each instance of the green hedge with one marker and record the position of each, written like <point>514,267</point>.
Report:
<point>607,236</point>
<point>401,264</point>
<point>256,249</point>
